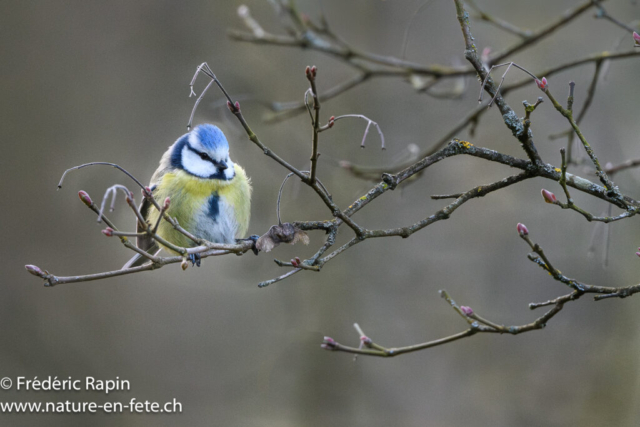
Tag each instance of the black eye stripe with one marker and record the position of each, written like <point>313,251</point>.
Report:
<point>203,156</point>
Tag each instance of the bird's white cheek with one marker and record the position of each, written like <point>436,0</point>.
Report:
<point>192,163</point>
<point>230,172</point>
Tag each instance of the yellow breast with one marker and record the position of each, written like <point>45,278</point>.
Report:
<point>189,196</point>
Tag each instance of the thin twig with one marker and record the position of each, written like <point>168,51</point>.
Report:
<point>112,191</point>
<point>99,163</point>
<point>366,131</point>
<point>279,195</point>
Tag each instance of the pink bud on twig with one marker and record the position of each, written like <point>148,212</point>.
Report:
<point>166,204</point>
<point>542,84</point>
<point>234,108</point>
<point>310,72</point>
<point>636,39</point>
<point>108,231</point>
<point>468,311</point>
<point>34,270</point>
<point>548,196</point>
<point>522,229</point>
<point>484,57</point>
<point>329,344</point>
<point>332,121</point>
<point>85,198</point>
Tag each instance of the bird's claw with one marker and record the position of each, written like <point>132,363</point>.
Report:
<point>195,259</point>
<point>254,238</point>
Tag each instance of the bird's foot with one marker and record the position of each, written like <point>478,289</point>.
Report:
<point>195,259</point>
<point>254,238</point>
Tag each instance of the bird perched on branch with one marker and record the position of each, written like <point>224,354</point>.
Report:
<point>210,195</point>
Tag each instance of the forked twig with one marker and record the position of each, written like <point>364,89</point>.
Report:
<point>484,82</point>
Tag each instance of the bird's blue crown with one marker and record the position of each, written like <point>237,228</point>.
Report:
<point>211,137</point>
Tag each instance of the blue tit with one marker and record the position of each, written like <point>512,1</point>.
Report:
<point>210,195</point>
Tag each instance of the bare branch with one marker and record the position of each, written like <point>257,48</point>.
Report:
<point>547,30</point>
<point>96,164</point>
<point>303,33</point>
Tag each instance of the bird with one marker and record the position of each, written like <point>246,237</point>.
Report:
<point>210,195</point>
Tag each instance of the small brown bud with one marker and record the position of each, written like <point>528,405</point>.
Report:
<point>548,196</point>
<point>233,108</point>
<point>184,264</point>
<point>468,311</point>
<point>34,270</point>
<point>542,84</point>
<point>85,198</point>
<point>329,344</point>
<point>522,229</point>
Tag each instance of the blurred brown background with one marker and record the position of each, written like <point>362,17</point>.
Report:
<point>108,81</point>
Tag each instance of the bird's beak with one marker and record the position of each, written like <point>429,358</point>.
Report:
<point>223,166</point>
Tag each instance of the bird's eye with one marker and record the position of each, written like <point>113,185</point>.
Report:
<point>203,156</point>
